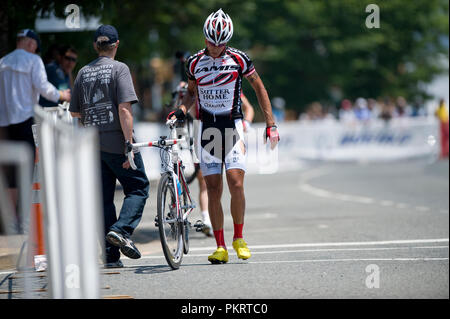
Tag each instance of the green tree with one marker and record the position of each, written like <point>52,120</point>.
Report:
<point>304,50</point>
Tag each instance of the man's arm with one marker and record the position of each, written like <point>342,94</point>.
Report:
<point>263,97</point>
<point>126,120</point>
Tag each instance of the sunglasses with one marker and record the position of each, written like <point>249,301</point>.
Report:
<point>69,58</point>
<point>217,46</point>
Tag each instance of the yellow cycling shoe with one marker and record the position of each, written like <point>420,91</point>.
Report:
<point>241,248</point>
<point>220,256</point>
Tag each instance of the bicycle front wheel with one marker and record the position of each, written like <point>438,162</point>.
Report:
<point>170,228</point>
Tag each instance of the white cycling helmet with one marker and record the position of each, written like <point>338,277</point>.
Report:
<point>218,27</point>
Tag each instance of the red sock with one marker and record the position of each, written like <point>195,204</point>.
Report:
<point>238,231</point>
<point>218,234</point>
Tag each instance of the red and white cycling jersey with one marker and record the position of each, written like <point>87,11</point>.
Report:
<point>219,81</point>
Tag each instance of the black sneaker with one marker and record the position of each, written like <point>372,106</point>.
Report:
<point>126,245</point>
<point>115,264</point>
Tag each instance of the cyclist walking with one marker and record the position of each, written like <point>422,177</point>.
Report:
<point>214,82</point>
<point>102,97</point>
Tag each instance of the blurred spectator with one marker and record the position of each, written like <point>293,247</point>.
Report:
<point>278,110</point>
<point>52,54</point>
<point>417,108</point>
<point>442,114</point>
<point>59,72</point>
<point>362,112</point>
<point>374,108</point>
<point>402,108</point>
<point>346,113</point>
<point>313,112</point>
<point>316,112</point>
<point>387,109</point>
<point>22,79</point>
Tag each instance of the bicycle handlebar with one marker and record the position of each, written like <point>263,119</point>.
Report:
<point>162,142</point>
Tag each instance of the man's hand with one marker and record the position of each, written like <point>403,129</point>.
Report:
<point>128,150</point>
<point>271,133</point>
<point>64,95</point>
<point>127,164</point>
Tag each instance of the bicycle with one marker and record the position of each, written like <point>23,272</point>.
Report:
<point>174,201</point>
<point>186,128</point>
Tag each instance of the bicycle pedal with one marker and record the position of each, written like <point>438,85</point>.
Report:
<point>199,226</point>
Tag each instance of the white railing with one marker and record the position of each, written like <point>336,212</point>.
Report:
<point>70,169</point>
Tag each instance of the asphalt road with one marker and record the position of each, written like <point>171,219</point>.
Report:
<point>325,231</point>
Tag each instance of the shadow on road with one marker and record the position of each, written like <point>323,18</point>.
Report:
<point>149,270</point>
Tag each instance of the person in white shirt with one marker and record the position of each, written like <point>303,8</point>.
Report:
<point>22,80</point>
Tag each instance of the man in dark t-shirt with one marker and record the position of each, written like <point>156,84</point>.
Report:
<point>102,96</point>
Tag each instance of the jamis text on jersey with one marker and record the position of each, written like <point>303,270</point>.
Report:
<point>217,68</point>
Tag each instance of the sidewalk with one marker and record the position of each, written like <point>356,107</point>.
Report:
<point>9,250</point>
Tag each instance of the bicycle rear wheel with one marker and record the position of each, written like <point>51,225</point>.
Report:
<point>170,228</point>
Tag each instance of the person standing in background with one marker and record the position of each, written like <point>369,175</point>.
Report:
<point>442,114</point>
<point>60,73</point>
<point>22,80</point>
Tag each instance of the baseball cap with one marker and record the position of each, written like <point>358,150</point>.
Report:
<point>31,34</point>
<point>107,31</point>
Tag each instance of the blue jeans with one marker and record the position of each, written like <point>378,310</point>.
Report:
<point>135,187</point>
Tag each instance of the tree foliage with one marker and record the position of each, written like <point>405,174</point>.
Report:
<point>304,50</point>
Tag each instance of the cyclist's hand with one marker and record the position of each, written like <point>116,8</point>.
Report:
<point>65,95</point>
<point>177,114</point>
<point>271,133</point>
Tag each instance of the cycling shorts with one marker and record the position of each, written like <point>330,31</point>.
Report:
<point>221,143</point>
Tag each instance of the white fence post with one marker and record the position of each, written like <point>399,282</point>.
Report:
<point>72,207</point>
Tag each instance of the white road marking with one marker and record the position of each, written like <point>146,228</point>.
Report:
<point>307,188</point>
<point>347,260</point>
<point>327,194</point>
<point>309,251</point>
<point>333,244</point>
<point>314,251</point>
<point>387,203</point>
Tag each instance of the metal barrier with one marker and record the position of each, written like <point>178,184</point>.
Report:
<point>70,171</point>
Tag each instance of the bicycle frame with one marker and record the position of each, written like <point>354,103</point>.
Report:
<point>175,163</point>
